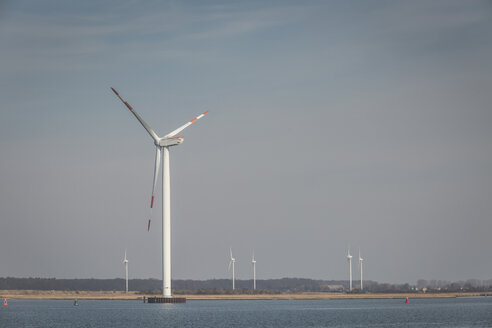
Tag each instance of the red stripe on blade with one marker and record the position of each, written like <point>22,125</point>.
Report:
<point>152,202</point>
<point>128,105</point>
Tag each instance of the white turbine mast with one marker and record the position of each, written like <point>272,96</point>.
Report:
<point>125,262</point>
<point>349,259</point>
<point>253,261</point>
<point>232,261</point>
<point>360,265</point>
<point>162,150</point>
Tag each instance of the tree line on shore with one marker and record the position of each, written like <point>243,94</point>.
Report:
<point>223,286</point>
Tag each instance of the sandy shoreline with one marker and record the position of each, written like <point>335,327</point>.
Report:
<point>118,295</point>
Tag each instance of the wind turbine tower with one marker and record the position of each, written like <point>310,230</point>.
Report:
<point>232,261</point>
<point>253,261</point>
<point>162,153</point>
<point>360,264</point>
<point>349,259</point>
<point>125,261</point>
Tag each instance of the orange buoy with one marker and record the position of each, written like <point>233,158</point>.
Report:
<point>406,300</point>
<point>5,302</point>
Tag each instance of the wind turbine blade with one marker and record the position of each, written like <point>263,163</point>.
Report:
<point>359,262</point>
<point>154,186</point>
<point>181,128</point>
<point>230,249</point>
<point>156,174</point>
<point>229,268</point>
<point>144,124</point>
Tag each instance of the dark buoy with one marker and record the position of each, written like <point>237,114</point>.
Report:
<point>406,300</point>
<point>75,302</point>
<point>5,302</point>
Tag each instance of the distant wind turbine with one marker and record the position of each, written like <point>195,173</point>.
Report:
<point>162,150</point>
<point>232,261</point>
<point>360,264</point>
<point>253,261</point>
<point>349,259</point>
<point>125,261</point>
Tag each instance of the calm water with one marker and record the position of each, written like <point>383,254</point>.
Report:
<point>459,312</point>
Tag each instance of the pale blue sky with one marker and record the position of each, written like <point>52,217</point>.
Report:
<point>331,123</point>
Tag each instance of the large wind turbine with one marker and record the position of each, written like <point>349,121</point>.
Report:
<point>349,259</point>
<point>360,264</point>
<point>125,262</point>
<point>232,261</point>
<point>253,261</point>
<point>162,150</point>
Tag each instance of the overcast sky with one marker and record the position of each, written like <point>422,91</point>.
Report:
<point>332,123</point>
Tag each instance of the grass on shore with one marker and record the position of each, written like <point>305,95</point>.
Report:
<point>120,295</point>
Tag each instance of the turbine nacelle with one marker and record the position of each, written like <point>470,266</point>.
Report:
<point>169,141</point>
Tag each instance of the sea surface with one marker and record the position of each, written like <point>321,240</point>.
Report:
<point>455,312</point>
